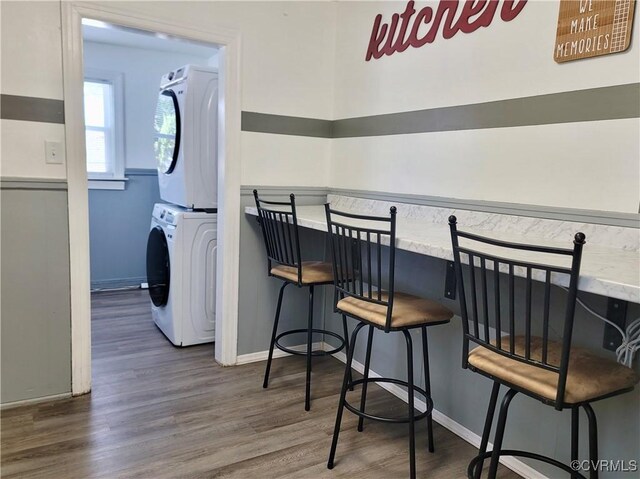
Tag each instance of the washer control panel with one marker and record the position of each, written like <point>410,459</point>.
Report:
<point>164,214</point>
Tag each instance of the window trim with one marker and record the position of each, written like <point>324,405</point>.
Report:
<point>115,179</point>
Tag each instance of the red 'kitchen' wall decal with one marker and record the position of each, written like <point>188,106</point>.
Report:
<point>386,39</point>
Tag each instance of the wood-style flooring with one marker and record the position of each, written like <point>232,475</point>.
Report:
<point>157,411</point>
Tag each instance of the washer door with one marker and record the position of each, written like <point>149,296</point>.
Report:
<point>158,267</point>
<point>167,131</point>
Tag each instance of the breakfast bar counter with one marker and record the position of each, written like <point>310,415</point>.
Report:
<point>607,271</point>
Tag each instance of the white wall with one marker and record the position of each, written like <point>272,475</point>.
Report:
<point>31,71</point>
<point>286,68</point>
<point>31,56</point>
<point>505,60</point>
<point>142,70</point>
<point>592,165</point>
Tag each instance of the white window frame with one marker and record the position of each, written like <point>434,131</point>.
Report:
<point>115,179</point>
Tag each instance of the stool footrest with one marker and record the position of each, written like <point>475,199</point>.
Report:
<point>516,453</point>
<point>313,353</point>
<point>394,420</point>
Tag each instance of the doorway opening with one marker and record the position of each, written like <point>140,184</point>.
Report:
<point>119,135</point>
<point>150,112</point>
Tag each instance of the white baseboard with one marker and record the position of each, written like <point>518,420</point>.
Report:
<point>458,429</point>
<point>30,402</point>
<point>277,353</point>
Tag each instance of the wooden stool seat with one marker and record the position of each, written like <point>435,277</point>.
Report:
<point>313,272</point>
<point>408,310</point>
<point>589,377</point>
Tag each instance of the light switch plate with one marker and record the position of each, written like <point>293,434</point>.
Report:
<point>53,152</point>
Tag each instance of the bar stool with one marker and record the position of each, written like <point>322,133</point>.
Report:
<point>550,371</point>
<point>279,224</point>
<point>358,265</point>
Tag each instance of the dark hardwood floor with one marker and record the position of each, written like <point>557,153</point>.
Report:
<point>157,411</point>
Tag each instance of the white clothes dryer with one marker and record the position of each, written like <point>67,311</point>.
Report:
<point>181,273</point>
<point>185,145</point>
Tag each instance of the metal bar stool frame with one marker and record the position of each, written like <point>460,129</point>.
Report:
<point>479,334</point>
<point>279,225</point>
<point>350,244</point>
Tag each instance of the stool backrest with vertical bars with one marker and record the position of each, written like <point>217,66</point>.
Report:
<point>359,269</point>
<point>483,301</point>
<point>279,223</point>
<point>280,231</point>
<point>364,279</point>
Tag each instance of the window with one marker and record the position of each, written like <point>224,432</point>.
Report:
<point>104,129</point>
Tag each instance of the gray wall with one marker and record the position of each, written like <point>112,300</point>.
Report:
<point>35,330</point>
<point>118,229</point>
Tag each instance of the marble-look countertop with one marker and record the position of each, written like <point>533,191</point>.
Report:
<point>606,271</point>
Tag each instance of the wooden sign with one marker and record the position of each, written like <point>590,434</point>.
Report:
<point>589,28</point>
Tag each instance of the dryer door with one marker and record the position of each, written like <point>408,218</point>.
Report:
<point>158,267</point>
<point>167,131</point>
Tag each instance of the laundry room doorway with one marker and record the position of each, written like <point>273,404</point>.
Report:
<point>152,119</point>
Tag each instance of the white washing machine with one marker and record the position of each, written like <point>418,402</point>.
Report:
<point>181,273</point>
<point>186,130</point>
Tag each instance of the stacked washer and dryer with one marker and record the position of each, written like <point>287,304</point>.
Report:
<point>182,244</point>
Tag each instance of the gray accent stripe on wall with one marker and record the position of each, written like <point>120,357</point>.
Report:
<point>606,103</point>
<point>26,108</point>
<point>286,125</point>
<point>595,104</point>
<point>10,183</point>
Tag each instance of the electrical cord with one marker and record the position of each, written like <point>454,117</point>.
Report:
<point>630,337</point>
<point>627,350</point>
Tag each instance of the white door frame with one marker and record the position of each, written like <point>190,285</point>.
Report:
<point>228,177</point>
